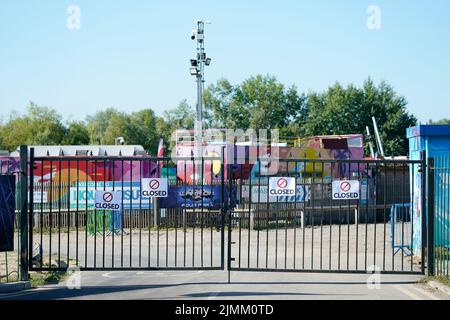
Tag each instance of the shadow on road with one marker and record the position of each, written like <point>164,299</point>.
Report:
<point>244,294</point>
<point>62,292</point>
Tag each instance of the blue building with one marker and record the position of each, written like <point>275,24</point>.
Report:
<point>435,141</point>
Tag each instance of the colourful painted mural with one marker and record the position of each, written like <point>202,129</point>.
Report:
<point>56,176</point>
<point>255,161</point>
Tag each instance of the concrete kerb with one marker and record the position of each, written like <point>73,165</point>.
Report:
<point>14,286</point>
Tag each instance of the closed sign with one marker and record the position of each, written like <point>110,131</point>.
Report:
<point>154,187</point>
<point>108,200</point>
<point>345,189</point>
<point>282,186</point>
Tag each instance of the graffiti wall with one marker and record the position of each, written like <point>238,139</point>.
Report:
<point>255,161</point>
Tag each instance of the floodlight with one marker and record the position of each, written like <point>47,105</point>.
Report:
<point>194,71</point>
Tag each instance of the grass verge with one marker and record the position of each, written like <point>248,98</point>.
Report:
<point>38,279</point>
<point>442,280</point>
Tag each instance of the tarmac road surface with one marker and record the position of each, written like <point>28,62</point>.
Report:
<point>143,285</point>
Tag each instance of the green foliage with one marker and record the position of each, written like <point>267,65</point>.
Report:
<point>182,117</point>
<point>349,110</point>
<point>443,121</point>
<point>97,125</point>
<point>76,134</point>
<point>259,102</point>
<point>137,128</point>
<point>41,125</point>
<point>143,130</point>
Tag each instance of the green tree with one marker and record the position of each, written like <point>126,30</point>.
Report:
<point>39,126</point>
<point>182,117</point>
<point>143,130</point>
<point>76,134</point>
<point>119,125</point>
<point>348,110</point>
<point>222,108</point>
<point>443,121</point>
<point>98,124</point>
<point>260,102</point>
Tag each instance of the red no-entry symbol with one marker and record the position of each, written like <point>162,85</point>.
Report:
<point>107,197</point>
<point>282,183</point>
<point>154,184</point>
<point>345,186</point>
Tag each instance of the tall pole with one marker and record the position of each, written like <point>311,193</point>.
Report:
<point>377,136</point>
<point>369,137</point>
<point>198,69</point>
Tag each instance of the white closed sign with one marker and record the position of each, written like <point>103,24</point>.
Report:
<point>108,200</point>
<point>282,186</point>
<point>154,187</point>
<point>345,189</point>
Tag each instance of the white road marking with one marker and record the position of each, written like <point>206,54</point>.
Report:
<point>408,293</point>
<point>424,292</point>
<point>107,275</point>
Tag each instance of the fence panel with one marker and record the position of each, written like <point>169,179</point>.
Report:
<point>318,228</point>
<point>176,225</point>
<point>441,215</point>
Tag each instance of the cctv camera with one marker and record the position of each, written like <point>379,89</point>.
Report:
<point>194,32</point>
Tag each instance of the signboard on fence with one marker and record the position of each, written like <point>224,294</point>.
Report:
<point>282,186</point>
<point>345,189</point>
<point>205,196</point>
<point>108,200</point>
<point>83,195</point>
<point>7,208</point>
<point>260,194</point>
<point>154,187</point>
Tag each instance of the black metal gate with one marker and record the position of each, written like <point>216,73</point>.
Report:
<point>314,229</point>
<point>70,228</point>
<point>315,232</point>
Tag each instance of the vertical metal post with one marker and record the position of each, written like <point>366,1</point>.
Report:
<point>23,213</point>
<point>223,212</point>
<point>31,208</point>
<point>430,218</point>
<point>423,187</point>
<point>229,214</point>
<point>155,213</point>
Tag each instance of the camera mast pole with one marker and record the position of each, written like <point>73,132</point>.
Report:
<point>198,69</point>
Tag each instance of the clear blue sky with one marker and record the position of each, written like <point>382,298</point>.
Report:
<point>135,54</point>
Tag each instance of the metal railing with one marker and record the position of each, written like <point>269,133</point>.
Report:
<point>440,193</point>
<point>315,232</point>
<point>181,231</point>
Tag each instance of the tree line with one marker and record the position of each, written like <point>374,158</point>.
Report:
<point>259,102</point>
